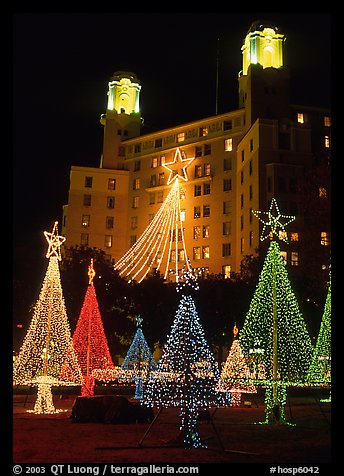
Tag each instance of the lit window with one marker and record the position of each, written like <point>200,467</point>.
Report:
<point>197,252</point>
<point>135,202</point>
<point>322,192</point>
<point>284,257</point>
<point>294,258</point>
<point>181,255</point>
<point>228,144</point>
<point>196,232</point>
<point>327,121</point>
<point>282,235</point>
<point>197,212</point>
<point>226,271</point>
<point>324,238</point>
<point>111,184</point>
<point>294,236</point>
<point>108,241</point>
<point>203,131</point>
<point>182,194</point>
<point>161,178</point>
<point>205,231</point>
<point>180,136</point>
<point>226,228</point>
<point>205,252</point>
<point>160,197</point>
<point>300,118</point>
<point>327,142</point>
<point>182,215</point>
<point>198,171</point>
<point>136,184</point>
<point>154,162</point>
<point>207,169</point>
<point>86,220</point>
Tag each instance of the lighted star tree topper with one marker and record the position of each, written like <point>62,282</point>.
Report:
<point>320,370</point>
<point>48,343</point>
<point>139,362</point>
<point>275,321</point>
<point>162,244</point>
<point>236,376</point>
<point>187,374</point>
<point>90,341</point>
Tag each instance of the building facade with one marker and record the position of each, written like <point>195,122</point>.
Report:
<point>236,162</point>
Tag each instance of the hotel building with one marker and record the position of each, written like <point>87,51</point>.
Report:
<point>241,160</point>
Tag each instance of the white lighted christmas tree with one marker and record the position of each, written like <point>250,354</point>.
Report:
<point>139,361</point>
<point>236,376</point>
<point>275,321</point>
<point>162,245</point>
<point>90,341</point>
<point>187,373</point>
<point>320,370</point>
<point>48,343</point>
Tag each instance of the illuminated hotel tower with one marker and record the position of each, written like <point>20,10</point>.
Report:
<point>241,160</point>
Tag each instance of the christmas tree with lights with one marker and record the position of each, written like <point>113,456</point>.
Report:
<point>320,370</point>
<point>274,319</point>
<point>48,344</point>
<point>139,362</point>
<point>187,373</point>
<point>90,341</point>
<point>236,376</point>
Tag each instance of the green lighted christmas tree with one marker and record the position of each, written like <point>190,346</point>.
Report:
<point>138,362</point>
<point>187,373</point>
<point>320,369</point>
<point>274,319</point>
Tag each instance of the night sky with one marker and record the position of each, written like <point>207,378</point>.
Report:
<point>63,61</point>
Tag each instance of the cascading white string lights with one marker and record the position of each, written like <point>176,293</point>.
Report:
<point>48,342</point>
<point>162,244</point>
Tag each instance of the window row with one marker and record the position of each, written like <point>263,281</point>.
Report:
<point>86,221</point>
<point>84,240</point>
<point>87,201</point>
<point>88,183</point>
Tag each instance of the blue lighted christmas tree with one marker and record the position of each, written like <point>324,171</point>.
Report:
<point>139,361</point>
<point>274,319</point>
<point>187,373</point>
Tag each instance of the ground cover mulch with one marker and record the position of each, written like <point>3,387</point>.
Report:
<point>233,436</point>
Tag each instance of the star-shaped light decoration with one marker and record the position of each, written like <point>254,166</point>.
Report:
<point>55,241</point>
<point>174,166</point>
<point>91,273</point>
<point>139,321</point>
<point>275,223</point>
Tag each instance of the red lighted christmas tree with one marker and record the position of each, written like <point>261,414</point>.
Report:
<point>90,342</point>
<point>236,376</point>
